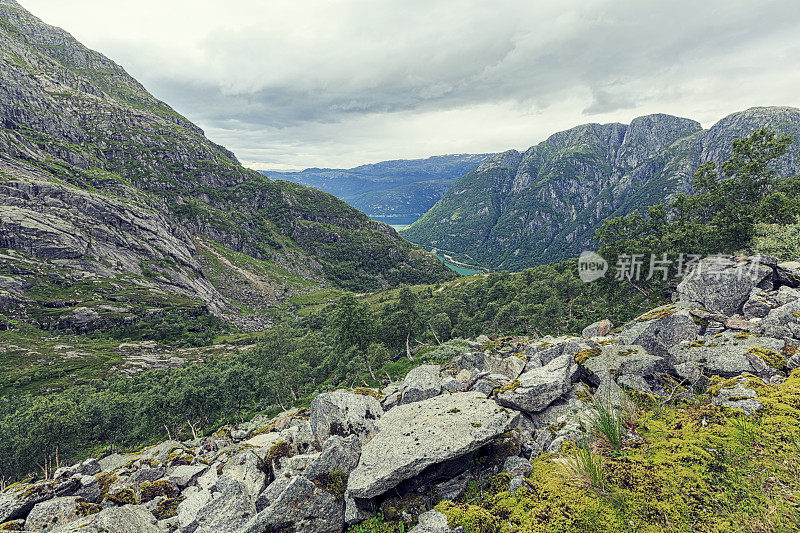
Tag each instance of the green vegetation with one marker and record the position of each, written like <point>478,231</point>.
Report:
<point>726,214</point>
<point>694,466</point>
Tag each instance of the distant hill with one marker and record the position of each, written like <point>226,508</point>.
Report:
<point>403,188</point>
<point>522,209</point>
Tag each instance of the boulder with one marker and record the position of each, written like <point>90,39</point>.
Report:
<point>421,383</point>
<point>302,508</point>
<point>783,322</point>
<point>182,475</point>
<point>125,519</point>
<point>660,329</point>
<point>47,515</point>
<point>246,468</point>
<point>434,522</point>
<point>619,359</point>
<point>722,285</point>
<point>17,502</point>
<point>189,508</point>
<point>510,366</point>
<point>344,413</point>
<point>536,389</point>
<point>739,396</point>
<point>730,354</point>
<point>598,329</point>
<point>516,466</point>
<point>543,351</point>
<point>229,509</point>
<point>414,436</point>
<point>337,454</point>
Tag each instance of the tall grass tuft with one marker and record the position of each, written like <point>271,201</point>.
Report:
<point>586,467</point>
<point>608,425</point>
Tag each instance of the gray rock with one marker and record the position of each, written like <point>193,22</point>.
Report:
<point>660,329</point>
<point>17,502</point>
<point>451,384</point>
<point>302,508</point>
<point>547,349</point>
<point>793,362</point>
<point>182,475</point>
<point>730,354</point>
<point>722,285</point>
<point>344,413</point>
<point>692,372</point>
<point>759,304</point>
<point>89,488</point>
<point>509,366</point>
<point>536,389</point>
<point>208,480</point>
<point>229,510</point>
<point>245,467</point>
<point>598,329</point>
<point>783,322</point>
<point>515,484</point>
<point>337,454</point>
<point>618,359</point>
<point>47,515</point>
<point>517,466</point>
<point>189,508</point>
<point>433,522</point>
<point>421,383</point>
<point>487,384</point>
<point>111,462</point>
<point>357,510</point>
<point>739,396</point>
<point>414,436</point>
<point>634,382</point>
<point>453,487</point>
<point>272,492</point>
<point>125,519</point>
<point>609,393</point>
<point>238,435</point>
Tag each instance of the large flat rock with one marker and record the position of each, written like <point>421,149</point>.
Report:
<point>409,438</point>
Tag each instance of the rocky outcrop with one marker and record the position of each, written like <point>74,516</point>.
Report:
<point>467,425</point>
<point>412,437</point>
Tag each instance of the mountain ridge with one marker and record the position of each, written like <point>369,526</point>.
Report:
<point>519,209</point>
<point>106,180</point>
<point>392,188</point>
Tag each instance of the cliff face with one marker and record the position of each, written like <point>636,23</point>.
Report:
<point>101,176</point>
<point>517,210</point>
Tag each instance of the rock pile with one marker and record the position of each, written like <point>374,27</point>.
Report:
<point>489,410</point>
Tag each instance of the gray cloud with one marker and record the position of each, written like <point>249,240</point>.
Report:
<point>338,83</point>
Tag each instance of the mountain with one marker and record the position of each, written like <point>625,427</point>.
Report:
<point>112,203</point>
<point>401,188</point>
<point>521,209</point>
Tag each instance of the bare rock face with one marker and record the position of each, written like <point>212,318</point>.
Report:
<point>411,437</point>
<point>126,519</point>
<point>301,508</point>
<point>723,285</point>
<point>514,212</point>
<point>534,390</point>
<point>344,413</point>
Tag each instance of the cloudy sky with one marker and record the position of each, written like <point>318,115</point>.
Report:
<point>336,83</point>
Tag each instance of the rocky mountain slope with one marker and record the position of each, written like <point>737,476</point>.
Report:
<point>102,182</point>
<point>521,209</point>
<point>483,436</point>
<point>398,189</point>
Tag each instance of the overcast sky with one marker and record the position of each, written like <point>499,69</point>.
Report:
<point>336,83</point>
